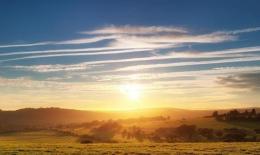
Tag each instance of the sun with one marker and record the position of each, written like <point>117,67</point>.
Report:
<point>133,91</point>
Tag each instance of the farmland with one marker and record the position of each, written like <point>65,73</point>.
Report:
<point>139,135</point>
<point>45,142</point>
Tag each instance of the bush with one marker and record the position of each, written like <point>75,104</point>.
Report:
<point>206,132</point>
<point>234,135</point>
<point>257,131</point>
<point>86,139</point>
<point>186,131</point>
<point>106,131</point>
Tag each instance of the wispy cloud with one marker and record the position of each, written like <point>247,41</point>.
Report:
<point>24,45</point>
<point>178,75</point>
<point>72,50</point>
<point>128,39</point>
<point>140,36</point>
<point>135,30</point>
<point>84,40</point>
<point>230,51</point>
<point>79,54</point>
<point>242,81</point>
<point>104,83</point>
<point>246,30</point>
<point>53,68</point>
<point>136,36</point>
<point>224,54</point>
<point>135,39</point>
<point>29,84</point>
<point>177,64</point>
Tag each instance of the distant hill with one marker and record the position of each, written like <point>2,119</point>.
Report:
<point>50,116</point>
<point>56,116</point>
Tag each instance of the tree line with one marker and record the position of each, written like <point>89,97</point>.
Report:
<point>183,133</point>
<point>235,115</point>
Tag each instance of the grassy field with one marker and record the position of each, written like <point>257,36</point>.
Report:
<point>199,122</point>
<point>46,142</point>
<point>131,148</point>
<point>50,142</point>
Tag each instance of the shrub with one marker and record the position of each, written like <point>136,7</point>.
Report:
<point>206,132</point>
<point>85,139</point>
<point>106,131</point>
<point>234,135</point>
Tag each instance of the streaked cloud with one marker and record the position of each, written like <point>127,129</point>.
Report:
<point>24,45</point>
<point>144,35</point>
<point>102,52</point>
<point>246,30</point>
<point>228,56</point>
<point>152,56</point>
<point>53,68</point>
<point>149,66</point>
<point>135,30</point>
<point>242,81</point>
<point>65,42</point>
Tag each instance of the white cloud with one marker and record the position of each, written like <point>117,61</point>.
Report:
<point>53,68</point>
<point>28,84</point>
<point>147,35</point>
<point>85,40</point>
<point>24,45</point>
<point>177,64</point>
<point>177,75</point>
<point>247,30</point>
<point>224,54</point>
<point>129,37</point>
<point>136,30</point>
<point>65,42</point>
<point>79,54</point>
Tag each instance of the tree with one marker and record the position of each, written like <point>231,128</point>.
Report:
<point>206,132</point>
<point>234,135</point>
<point>215,114</point>
<point>106,131</point>
<point>186,131</point>
<point>253,112</point>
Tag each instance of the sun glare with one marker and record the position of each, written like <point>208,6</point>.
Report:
<point>133,91</point>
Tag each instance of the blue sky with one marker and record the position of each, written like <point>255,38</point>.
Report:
<point>48,20</point>
<point>79,54</point>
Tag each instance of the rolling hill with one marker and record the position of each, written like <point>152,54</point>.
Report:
<point>55,116</point>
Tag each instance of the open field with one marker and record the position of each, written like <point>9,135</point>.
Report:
<point>33,139</point>
<point>130,148</point>
<point>45,142</point>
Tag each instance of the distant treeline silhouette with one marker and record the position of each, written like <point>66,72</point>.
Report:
<point>106,132</point>
<point>235,115</point>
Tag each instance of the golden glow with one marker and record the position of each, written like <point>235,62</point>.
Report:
<point>133,91</point>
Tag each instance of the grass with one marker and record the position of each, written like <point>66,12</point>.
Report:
<point>46,142</point>
<point>131,148</point>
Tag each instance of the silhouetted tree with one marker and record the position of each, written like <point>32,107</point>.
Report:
<point>234,135</point>
<point>219,134</point>
<point>186,131</point>
<point>253,112</point>
<point>215,114</point>
<point>206,132</point>
<point>106,131</point>
<point>235,115</point>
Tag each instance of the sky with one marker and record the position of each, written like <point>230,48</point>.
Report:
<point>120,55</point>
